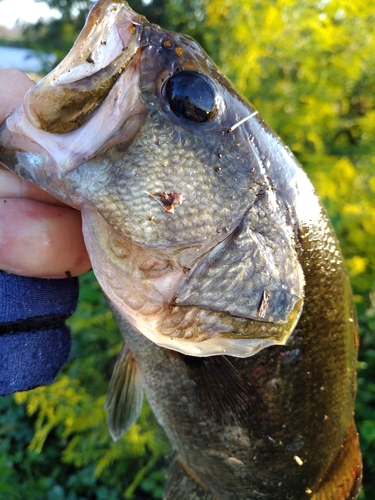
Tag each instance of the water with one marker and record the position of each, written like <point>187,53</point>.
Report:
<point>26,60</point>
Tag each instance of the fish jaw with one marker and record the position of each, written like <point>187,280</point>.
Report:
<point>96,87</point>
<point>66,97</point>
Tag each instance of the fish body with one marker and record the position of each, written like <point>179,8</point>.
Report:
<point>214,252</point>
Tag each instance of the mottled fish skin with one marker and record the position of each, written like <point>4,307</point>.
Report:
<point>209,239</point>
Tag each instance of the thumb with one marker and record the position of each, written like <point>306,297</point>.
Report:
<point>13,87</point>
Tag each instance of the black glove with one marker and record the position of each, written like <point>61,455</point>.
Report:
<point>34,340</point>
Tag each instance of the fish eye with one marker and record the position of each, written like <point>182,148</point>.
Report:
<point>191,95</point>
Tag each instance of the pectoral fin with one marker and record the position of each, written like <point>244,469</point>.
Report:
<point>223,393</point>
<point>125,394</point>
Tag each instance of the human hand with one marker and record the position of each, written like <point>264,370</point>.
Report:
<point>39,235</point>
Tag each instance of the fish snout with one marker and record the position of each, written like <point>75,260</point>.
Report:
<point>67,96</point>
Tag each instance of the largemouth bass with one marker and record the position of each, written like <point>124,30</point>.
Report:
<point>217,259</point>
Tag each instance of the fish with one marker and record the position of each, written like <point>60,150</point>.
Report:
<point>213,250</point>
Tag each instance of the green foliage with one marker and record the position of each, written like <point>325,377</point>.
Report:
<point>62,32</point>
<point>309,68</point>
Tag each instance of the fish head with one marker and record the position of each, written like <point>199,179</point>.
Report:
<point>186,195</point>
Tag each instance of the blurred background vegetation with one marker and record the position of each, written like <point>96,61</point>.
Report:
<point>309,68</point>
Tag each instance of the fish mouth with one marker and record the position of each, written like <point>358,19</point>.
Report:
<point>66,98</point>
<point>90,101</point>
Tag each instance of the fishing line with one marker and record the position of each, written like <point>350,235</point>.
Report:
<point>233,127</point>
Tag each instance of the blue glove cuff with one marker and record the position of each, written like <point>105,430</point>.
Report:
<point>34,340</point>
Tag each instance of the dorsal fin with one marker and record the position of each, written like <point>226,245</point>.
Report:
<point>125,394</point>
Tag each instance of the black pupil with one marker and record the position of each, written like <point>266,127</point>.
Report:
<point>192,96</point>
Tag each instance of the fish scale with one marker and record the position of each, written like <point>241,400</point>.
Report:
<point>215,205</point>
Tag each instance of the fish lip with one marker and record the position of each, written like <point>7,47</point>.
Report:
<point>60,113</point>
<point>105,48</point>
<point>111,28</point>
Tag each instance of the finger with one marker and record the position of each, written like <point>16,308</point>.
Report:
<point>12,186</point>
<point>13,87</point>
<point>41,240</point>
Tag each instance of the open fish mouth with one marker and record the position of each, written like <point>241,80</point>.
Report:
<point>67,96</point>
<point>75,110</point>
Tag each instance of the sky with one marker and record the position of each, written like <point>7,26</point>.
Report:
<point>25,10</point>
